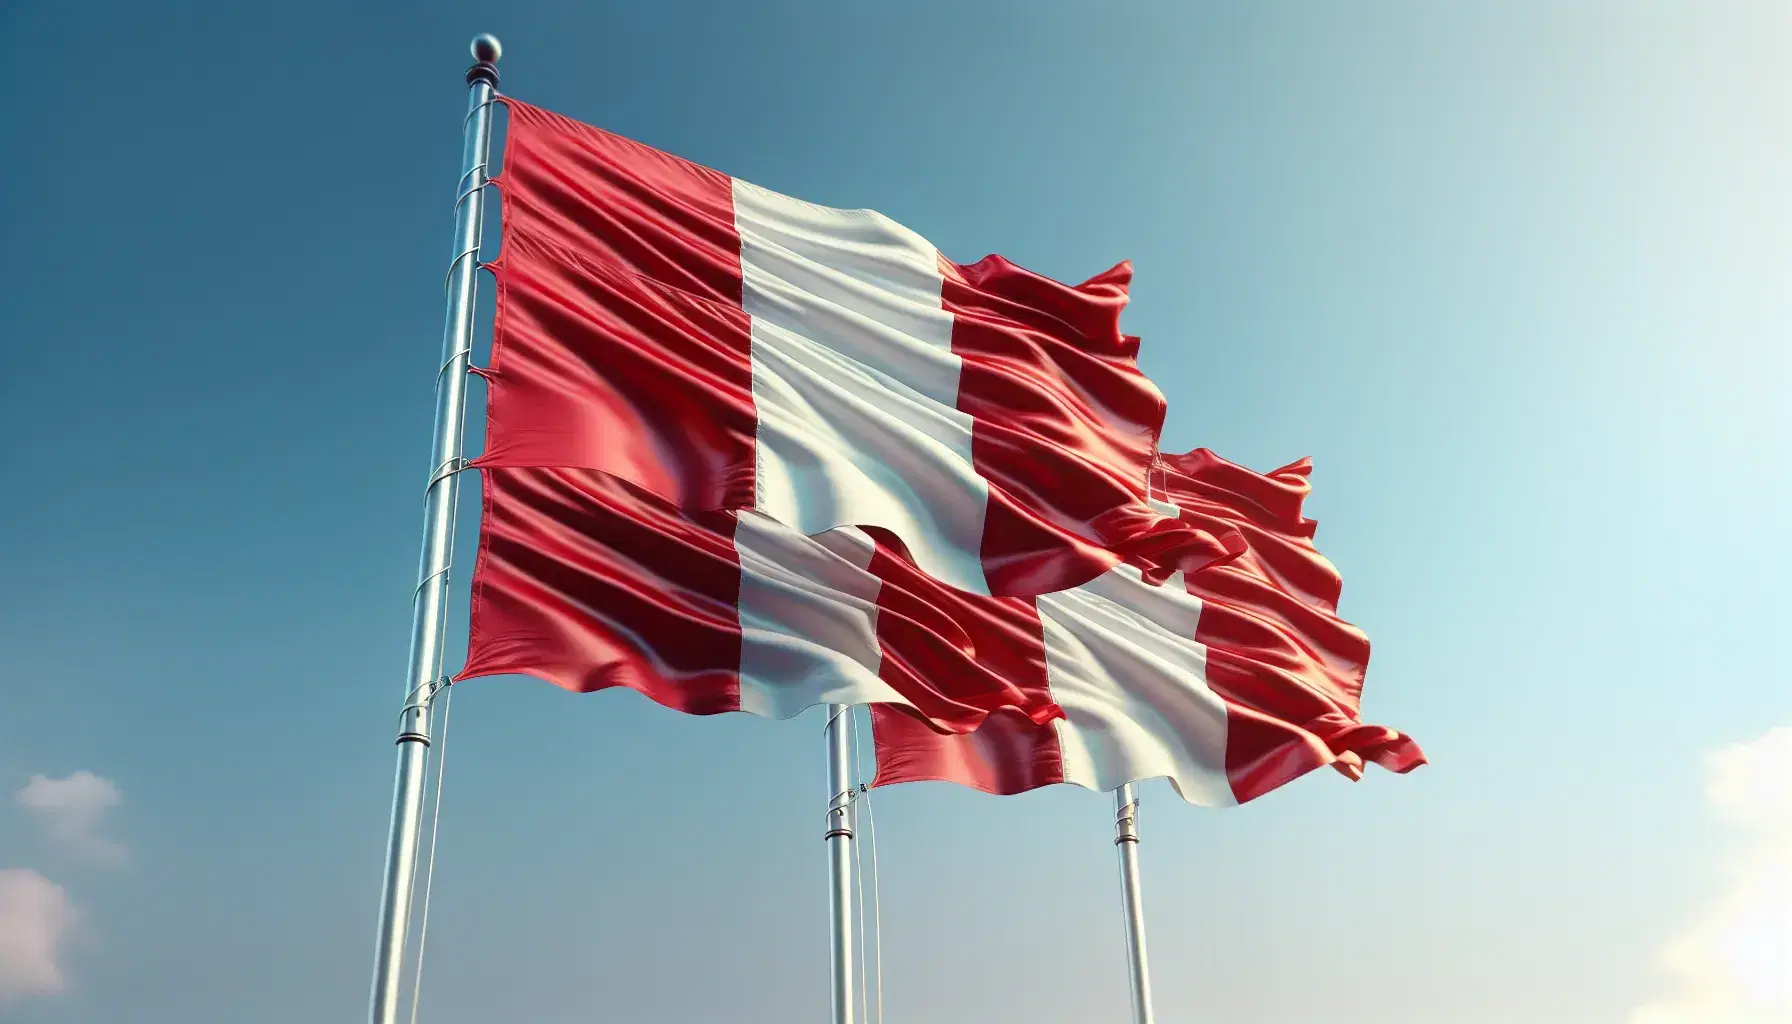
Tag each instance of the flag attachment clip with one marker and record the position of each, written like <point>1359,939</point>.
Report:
<point>839,805</point>
<point>1126,823</point>
<point>448,469</point>
<point>419,700</point>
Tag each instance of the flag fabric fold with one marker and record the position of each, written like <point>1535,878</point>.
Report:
<point>1229,682</point>
<point>724,347</point>
<point>1277,648</point>
<point>590,582</point>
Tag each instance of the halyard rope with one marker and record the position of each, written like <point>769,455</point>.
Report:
<point>435,822</point>
<point>429,871</point>
<point>862,791</point>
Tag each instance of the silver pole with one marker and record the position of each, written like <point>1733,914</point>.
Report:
<point>1126,839</point>
<point>840,862</point>
<point>430,601</point>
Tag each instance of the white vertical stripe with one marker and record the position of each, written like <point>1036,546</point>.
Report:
<point>1123,663</point>
<point>852,544</point>
<point>855,382</point>
<point>808,621</point>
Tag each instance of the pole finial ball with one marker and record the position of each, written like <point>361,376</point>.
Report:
<point>486,48</point>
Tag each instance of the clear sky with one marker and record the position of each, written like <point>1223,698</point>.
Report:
<point>1515,274</point>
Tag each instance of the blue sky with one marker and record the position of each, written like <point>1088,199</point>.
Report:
<point>1515,275</point>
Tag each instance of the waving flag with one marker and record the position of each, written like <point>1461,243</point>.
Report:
<point>726,347</point>
<point>1229,682</point>
<point>590,582</point>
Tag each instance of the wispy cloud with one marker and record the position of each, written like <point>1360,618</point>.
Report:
<point>73,809</point>
<point>1734,965</point>
<point>35,918</point>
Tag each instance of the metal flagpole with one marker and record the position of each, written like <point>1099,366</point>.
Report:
<point>840,859</point>
<point>430,600</point>
<point>1126,839</point>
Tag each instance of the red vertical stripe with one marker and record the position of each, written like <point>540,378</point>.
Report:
<point>995,642</point>
<point>1065,428</point>
<point>620,341</point>
<point>1007,754</point>
<point>1264,753</point>
<point>1289,669</point>
<point>618,202</point>
<point>990,648</point>
<point>589,583</point>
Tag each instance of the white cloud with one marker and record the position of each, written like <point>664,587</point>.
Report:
<point>1734,965</point>
<point>72,810</point>
<point>35,918</point>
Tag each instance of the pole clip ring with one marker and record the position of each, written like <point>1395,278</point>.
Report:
<point>449,468</point>
<point>484,71</point>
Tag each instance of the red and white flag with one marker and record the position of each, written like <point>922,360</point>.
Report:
<point>727,347</point>
<point>590,582</point>
<point>1230,682</point>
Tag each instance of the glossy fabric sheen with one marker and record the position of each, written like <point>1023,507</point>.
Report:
<point>591,582</point>
<point>1062,416</point>
<point>1122,662</point>
<point>1230,682</point>
<point>727,347</point>
<point>1290,670</point>
<point>855,381</point>
<point>1132,682</point>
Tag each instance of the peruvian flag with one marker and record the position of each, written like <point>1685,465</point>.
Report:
<point>724,347</point>
<point>1230,682</point>
<point>591,582</point>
